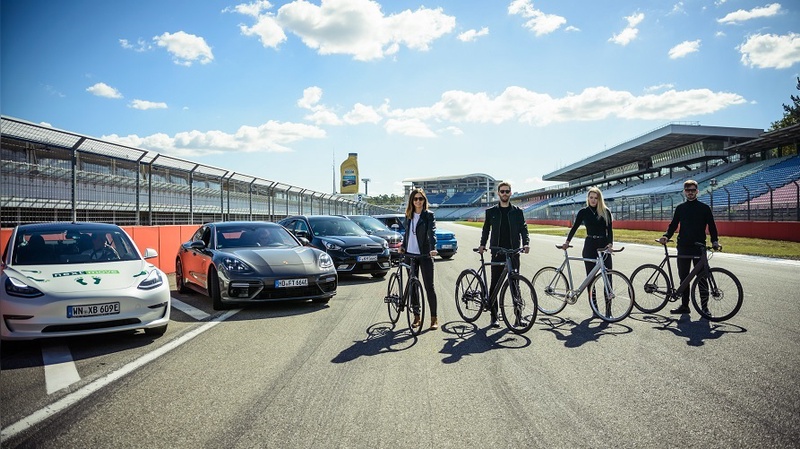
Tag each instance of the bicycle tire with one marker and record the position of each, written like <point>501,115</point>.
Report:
<point>394,298</point>
<point>552,287</point>
<point>470,295</point>
<point>651,287</point>
<point>619,305</point>
<point>414,289</point>
<point>518,303</point>
<point>720,305</point>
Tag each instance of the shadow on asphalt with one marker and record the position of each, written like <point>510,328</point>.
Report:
<point>696,332</point>
<point>577,334</point>
<point>467,339</point>
<point>382,337</point>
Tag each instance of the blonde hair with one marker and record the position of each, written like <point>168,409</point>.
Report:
<point>410,205</point>
<point>602,210</point>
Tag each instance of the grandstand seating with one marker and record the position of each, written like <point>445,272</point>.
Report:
<point>751,180</point>
<point>464,198</point>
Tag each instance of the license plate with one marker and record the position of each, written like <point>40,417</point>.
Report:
<point>367,258</point>
<point>111,308</point>
<point>283,283</point>
<point>447,246</point>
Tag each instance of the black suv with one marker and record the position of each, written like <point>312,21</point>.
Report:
<point>353,250</point>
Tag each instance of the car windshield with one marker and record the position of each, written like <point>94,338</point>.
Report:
<point>390,221</point>
<point>72,245</point>
<point>370,224</point>
<point>253,235</point>
<point>325,227</point>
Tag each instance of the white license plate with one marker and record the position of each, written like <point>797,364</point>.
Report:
<point>283,283</point>
<point>111,308</point>
<point>367,258</point>
<point>447,246</point>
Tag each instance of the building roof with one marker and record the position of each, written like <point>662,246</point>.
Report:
<point>449,178</point>
<point>671,136</point>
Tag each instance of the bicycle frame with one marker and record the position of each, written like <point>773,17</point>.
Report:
<point>675,293</point>
<point>599,266</point>
<point>508,269</point>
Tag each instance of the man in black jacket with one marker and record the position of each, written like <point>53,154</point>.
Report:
<point>693,217</point>
<point>508,229</point>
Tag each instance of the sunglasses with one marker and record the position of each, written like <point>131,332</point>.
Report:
<point>419,198</point>
<point>690,190</point>
<point>505,191</point>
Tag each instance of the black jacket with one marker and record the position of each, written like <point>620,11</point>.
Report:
<point>426,232</point>
<point>517,226</point>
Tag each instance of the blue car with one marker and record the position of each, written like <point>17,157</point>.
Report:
<point>446,243</point>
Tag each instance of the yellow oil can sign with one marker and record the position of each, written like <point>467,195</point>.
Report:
<point>349,171</point>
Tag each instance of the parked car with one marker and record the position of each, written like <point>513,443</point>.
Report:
<point>352,249</point>
<point>446,243</point>
<point>67,279</point>
<point>253,261</point>
<point>373,226</point>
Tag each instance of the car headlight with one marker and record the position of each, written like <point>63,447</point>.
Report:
<point>234,265</point>
<point>331,246</point>
<point>153,280</point>
<point>15,287</point>
<point>324,261</point>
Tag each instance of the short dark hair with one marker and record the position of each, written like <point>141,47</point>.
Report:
<point>503,184</point>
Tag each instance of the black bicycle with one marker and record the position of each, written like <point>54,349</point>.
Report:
<point>716,293</point>
<point>399,297</point>
<point>519,313</point>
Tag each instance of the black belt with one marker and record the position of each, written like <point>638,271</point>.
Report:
<point>595,236</point>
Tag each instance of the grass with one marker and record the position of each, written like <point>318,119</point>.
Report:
<point>736,245</point>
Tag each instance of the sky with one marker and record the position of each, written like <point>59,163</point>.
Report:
<point>285,90</point>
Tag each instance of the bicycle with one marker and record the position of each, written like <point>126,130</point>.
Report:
<point>519,314</point>
<point>399,298</point>
<point>654,288</point>
<point>558,290</point>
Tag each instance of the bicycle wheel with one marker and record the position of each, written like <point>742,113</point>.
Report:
<point>724,295</point>
<point>518,303</point>
<point>414,295</point>
<point>651,288</point>
<point>470,294</point>
<point>615,298</point>
<point>394,298</point>
<point>552,287</point>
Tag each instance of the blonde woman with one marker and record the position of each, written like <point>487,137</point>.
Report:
<point>420,238</point>
<point>599,228</point>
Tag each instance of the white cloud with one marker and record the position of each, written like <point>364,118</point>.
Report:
<point>755,13</point>
<point>658,87</point>
<point>362,114</point>
<point>141,45</point>
<point>408,127</point>
<point>185,48</point>
<point>311,96</point>
<point>539,22</point>
<point>270,137</point>
<point>471,35</point>
<point>104,90</point>
<point>322,116</point>
<point>352,27</point>
<point>678,8</point>
<point>627,35</point>
<point>771,51</point>
<point>145,105</point>
<point>684,48</point>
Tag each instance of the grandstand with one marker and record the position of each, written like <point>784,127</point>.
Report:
<point>54,175</point>
<point>457,197</point>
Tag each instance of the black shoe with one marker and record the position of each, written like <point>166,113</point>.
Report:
<point>495,324</point>
<point>680,310</point>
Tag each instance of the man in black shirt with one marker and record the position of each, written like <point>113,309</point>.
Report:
<point>693,218</point>
<point>508,229</point>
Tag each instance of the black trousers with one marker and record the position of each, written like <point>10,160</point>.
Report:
<point>497,270</point>
<point>685,265</point>
<point>426,266</point>
<point>590,247</point>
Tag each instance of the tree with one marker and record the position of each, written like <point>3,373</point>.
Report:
<point>791,114</point>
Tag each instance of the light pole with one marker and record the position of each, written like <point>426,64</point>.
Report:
<point>366,185</point>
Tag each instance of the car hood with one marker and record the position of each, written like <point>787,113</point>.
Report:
<point>348,241</point>
<point>389,236</point>
<point>279,260</point>
<point>72,278</point>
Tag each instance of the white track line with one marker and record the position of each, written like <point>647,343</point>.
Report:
<point>59,368</point>
<point>193,312</point>
<point>73,398</point>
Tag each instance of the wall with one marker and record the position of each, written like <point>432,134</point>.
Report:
<point>167,239</point>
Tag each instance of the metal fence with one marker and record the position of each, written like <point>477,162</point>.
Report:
<point>53,175</point>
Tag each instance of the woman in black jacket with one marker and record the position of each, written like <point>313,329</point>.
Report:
<point>420,238</point>
<point>599,228</point>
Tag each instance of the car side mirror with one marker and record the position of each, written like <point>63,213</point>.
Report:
<point>304,241</point>
<point>197,244</point>
<point>150,253</point>
<point>302,234</point>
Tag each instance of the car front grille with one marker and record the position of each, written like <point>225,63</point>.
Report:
<point>361,250</point>
<point>90,326</point>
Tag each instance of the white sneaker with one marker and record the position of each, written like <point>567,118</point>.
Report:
<point>495,324</point>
